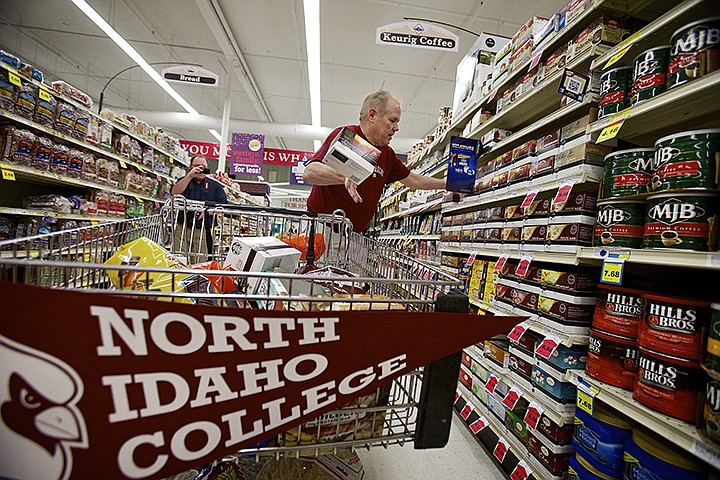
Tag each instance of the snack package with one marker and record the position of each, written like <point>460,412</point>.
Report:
<point>300,242</point>
<point>335,427</point>
<point>42,153</point>
<point>75,163</point>
<point>26,99</point>
<point>144,252</point>
<point>18,146</point>
<point>222,283</point>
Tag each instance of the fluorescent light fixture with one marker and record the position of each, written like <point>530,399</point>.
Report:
<point>312,40</point>
<point>132,53</point>
<point>215,134</point>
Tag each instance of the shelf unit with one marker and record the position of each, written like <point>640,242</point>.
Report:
<point>689,106</point>
<point>77,104</point>
<point>61,216</point>
<point>682,434</point>
<point>50,178</point>
<point>518,449</point>
<point>87,146</point>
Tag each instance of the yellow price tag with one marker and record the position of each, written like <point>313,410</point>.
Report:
<point>612,271</point>
<point>43,94</point>
<point>123,164</point>
<point>615,124</point>
<point>585,402</point>
<point>14,79</point>
<point>94,222</point>
<point>622,50</point>
<point>137,198</point>
<point>8,174</point>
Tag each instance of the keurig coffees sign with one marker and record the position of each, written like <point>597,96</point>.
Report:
<point>417,35</point>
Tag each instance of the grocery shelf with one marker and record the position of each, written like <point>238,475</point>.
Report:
<point>578,174</point>
<point>557,118</point>
<point>425,207</point>
<point>516,446</point>
<point>541,101</point>
<point>682,434</point>
<point>548,254</point>
<point>87,146</point>
<point>50,178</point>
<point>77,104</point>
<point>655,256</point>
<point>62,216</point>
<point>655,33</point>
<point>476,353</point>
<point>661,115</point>
<point>401,236</point>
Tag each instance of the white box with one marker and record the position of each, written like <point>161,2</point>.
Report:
<point>261,254</point>
<point>352,156</point>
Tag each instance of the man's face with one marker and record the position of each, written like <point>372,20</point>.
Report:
<point>384,125</point>
<point>197,166</point>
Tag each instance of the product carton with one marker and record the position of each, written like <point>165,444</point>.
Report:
<point>352,156</point>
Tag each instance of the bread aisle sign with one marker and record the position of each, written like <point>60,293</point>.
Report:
<point>100,385</point>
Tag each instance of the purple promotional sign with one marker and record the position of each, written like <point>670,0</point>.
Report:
<point>296,173</point>
<point>247,154</point>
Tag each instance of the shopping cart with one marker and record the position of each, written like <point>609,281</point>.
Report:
<point>417,406</point>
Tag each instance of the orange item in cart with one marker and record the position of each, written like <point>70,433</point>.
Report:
<point>222,283</point>
<point>300,242</point>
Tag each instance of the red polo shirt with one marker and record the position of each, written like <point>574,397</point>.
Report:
<point>326,199</point>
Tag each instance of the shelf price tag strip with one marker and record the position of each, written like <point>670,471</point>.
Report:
<point>586,396</point>
<point>708,453</point>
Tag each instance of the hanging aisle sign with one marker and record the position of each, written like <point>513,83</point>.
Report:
<point>247,154</point>
<point>190,74</point>
<point>417,35</point>
<point>148,389</point>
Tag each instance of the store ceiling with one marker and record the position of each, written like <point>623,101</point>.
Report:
<point>56,37</point>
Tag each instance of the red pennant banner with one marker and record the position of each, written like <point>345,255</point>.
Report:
<point>96,384</point>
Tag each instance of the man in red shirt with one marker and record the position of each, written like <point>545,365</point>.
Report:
<point>379,118</point>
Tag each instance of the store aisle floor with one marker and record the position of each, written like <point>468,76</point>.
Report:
<point>462,459</point>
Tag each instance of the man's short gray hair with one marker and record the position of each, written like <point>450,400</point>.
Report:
<point>377,100</point>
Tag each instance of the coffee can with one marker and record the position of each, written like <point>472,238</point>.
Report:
<point>614,87</point>
<point>649,74</point>
<point>682,221</point>
<point>686,160</point>
<point>694,51</point>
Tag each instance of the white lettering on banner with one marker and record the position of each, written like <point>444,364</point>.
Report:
<point>223,328</point>
<point>315,398</point>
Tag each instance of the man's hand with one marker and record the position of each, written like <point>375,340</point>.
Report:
<point>195,171</point>
<point>352,190</point>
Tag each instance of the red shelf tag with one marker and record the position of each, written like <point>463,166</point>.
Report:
<point>548,346</point>
<point>478,425</point>
<point>535,60</point>
<point>523,266</point>
<point>533,414</point>
<point>561,197</point>
<point>528,200</point>
<point>501,449</point>
<point>501,262</point>
<point>465,413</point>
<point>517,332</point>
<point>521,472</point>
<point>512,397</point>
<point>492,383</point>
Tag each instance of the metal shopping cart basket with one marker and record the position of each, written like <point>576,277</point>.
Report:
<point>416,407</point>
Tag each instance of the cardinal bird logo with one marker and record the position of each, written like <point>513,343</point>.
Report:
<point>40,420</point>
